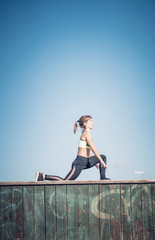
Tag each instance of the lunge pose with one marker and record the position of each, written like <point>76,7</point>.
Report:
<point>84,159</point>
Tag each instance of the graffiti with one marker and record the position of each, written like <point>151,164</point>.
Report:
<point>60,214</point>
<point>107,216</point>
<point>24,211</point>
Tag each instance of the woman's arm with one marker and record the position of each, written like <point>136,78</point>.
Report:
<point>93,148</point>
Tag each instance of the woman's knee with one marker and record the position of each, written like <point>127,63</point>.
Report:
<point>104,158</point>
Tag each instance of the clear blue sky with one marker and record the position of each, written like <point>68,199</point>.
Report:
<point>63,59</point>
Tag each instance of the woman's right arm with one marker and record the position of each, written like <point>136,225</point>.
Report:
<point>94,149</point>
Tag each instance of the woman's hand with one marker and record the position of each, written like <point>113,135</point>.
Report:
<point>103,164</point>
<point>97,165</point>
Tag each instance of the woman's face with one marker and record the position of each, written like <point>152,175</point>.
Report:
<point>89,124</point>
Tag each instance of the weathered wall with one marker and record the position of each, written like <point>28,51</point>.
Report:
<point>79,211</point>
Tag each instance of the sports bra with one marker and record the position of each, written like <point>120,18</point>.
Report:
<point>84,144</point>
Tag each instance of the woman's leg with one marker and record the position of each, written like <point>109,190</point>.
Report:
<point>72,175</point>
<point>41,177</point>
<point>102,169</point>
<point>93,161</point>
<point>77,166</point>
<point>53,178</point>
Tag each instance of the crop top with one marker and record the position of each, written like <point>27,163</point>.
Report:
<point>84,144</point>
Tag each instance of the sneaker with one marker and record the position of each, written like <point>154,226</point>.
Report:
<point>39,176</point>
<point>106,179</point>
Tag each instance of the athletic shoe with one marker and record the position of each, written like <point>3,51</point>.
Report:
<point>106,179</point>
<point>39,176</point>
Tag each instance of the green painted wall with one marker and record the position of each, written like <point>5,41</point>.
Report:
<point>82,211</point>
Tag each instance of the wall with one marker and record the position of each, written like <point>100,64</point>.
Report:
<point>83,210</point>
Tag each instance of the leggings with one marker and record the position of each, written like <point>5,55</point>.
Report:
<point>79,164</point>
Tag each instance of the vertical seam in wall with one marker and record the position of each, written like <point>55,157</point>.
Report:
<point>56,215</point>
<point>99,206</point>
<point>0,214</point>
<point>66,215</point>
<point>45,211</point>
<point>23,211</point>
<point>77,207</point>
<point>120,215</point>
<point>152,227</point>
<point>11,214</point>
<point>34,212</point>
<point>131,186</point>
<point>88,212</point>
<point>142,209</point>
<point>130,215</point>
<point>121,225</point>
<point>110,211</point>
<point>99,213</point>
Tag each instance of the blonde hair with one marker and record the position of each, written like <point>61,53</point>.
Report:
<point>81,122</point>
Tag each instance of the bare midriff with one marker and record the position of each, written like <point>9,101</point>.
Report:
<point>84,152</point>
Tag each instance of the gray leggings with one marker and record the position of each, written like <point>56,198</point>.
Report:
<point>79,164</point>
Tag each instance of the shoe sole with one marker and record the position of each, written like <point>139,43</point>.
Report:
<point>37,176</point>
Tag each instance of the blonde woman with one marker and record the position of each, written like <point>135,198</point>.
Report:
<point>84,159</point>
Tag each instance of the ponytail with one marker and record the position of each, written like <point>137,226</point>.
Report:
<point>75,126</point>
<point>81,122</point>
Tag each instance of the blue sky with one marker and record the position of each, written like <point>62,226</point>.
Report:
<point>64,59</point>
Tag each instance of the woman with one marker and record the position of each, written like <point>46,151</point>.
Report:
<point>84,158</point>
